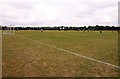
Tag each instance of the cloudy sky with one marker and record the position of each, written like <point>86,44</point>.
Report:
<point>58,12</point>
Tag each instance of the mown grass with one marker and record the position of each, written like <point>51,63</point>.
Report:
<point>22,57</point>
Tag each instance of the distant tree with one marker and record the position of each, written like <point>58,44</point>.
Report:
<point>70,28</point>
<point>84,29</point>
<point>89,28</point>
<point>97,27</point>
<point>62,27</point>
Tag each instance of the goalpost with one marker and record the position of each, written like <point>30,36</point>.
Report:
<point>8,30</point>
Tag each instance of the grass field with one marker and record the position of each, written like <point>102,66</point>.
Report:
<point>26,58</point>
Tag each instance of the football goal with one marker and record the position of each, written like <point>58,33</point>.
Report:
<point>8,30</point>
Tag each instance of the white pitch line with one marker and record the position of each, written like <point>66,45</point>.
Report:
<point>72,52</point>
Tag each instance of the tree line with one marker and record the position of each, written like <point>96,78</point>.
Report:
<point>97,27</point>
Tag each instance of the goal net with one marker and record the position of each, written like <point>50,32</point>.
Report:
<point>8,30</point>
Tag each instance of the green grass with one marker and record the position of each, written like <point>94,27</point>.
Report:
<point>22,57</point>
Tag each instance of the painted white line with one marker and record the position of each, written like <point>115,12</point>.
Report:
<point>71,52</point>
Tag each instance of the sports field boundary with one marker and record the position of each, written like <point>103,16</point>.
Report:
<point>73,53</point>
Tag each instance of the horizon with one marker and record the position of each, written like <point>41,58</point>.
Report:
<point>57,25</point>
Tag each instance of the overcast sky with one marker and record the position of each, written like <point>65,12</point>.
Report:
<point>58,12</point>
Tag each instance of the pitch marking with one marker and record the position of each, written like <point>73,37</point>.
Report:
<point>71,52</point>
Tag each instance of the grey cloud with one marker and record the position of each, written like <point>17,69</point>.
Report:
<point>59,12</point>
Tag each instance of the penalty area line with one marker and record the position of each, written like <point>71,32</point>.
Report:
<point>61,49</point>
